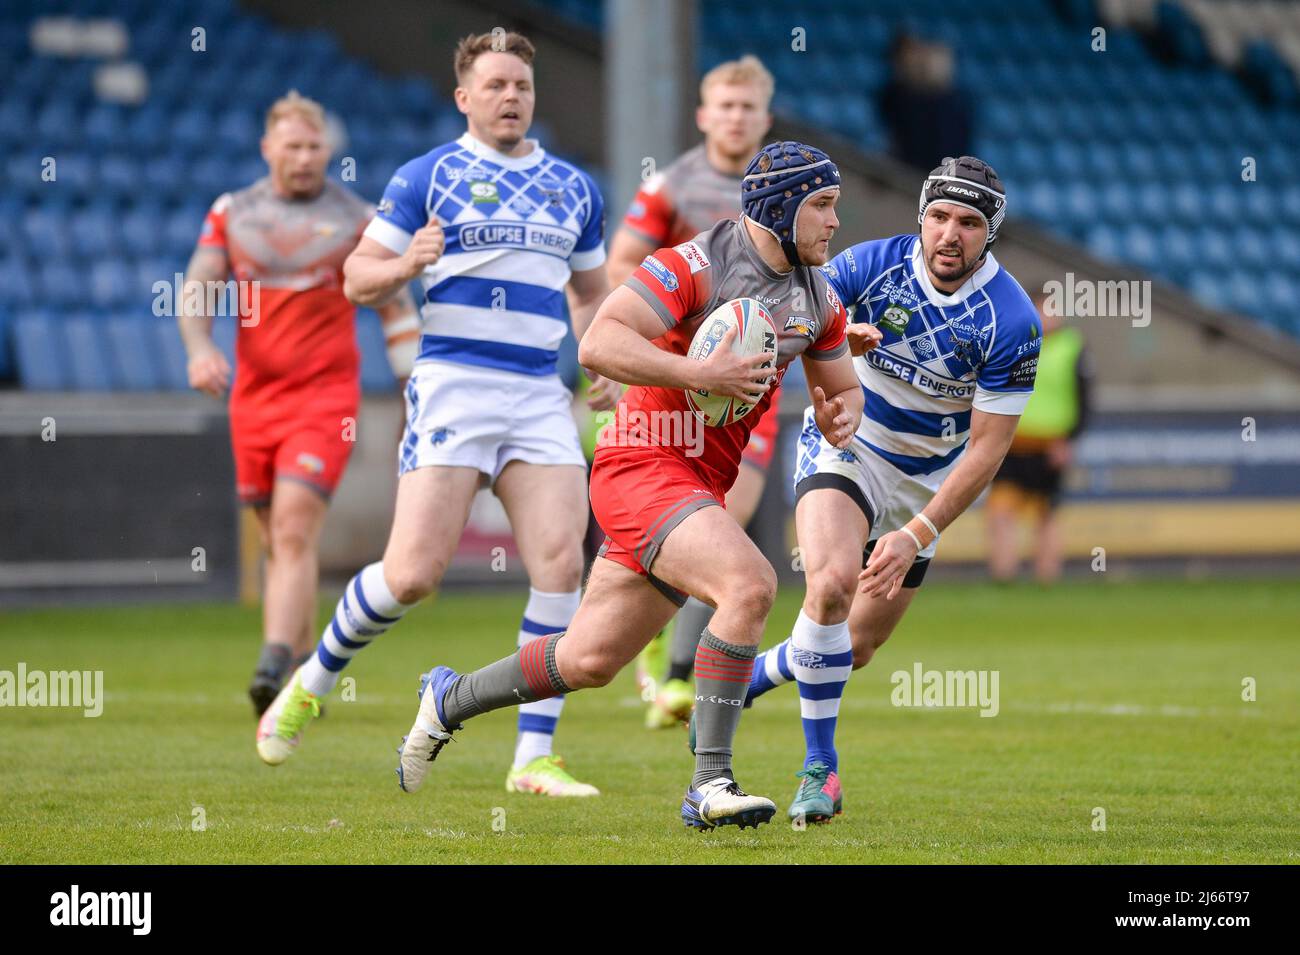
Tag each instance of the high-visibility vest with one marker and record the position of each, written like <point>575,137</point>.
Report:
<point>1053,408</point>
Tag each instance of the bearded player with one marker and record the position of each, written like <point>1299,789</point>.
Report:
<point>689,197</point>
<point>497,231</point>
<point>660,502</point>
<point>293,409</point>
<point>943,391</point>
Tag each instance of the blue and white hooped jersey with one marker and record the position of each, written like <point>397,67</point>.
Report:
<point>941,354</point>
<point>515,229</point>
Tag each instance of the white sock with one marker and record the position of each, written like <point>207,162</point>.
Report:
<point>545,614</point>
<point>366,610</point>
<point>821,657</point>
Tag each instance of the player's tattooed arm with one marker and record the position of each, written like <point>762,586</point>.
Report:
<point>837,416</point>
<point>401,324</point>
<point>626,252</point>
<point>619,345</point>
<point>207,367</point>
<point>990,437</point>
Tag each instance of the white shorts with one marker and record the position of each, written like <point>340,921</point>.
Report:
<point>888,497</point>
<point>484,418</point>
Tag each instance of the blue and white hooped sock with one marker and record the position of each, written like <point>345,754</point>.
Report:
<point>366,610</point>
<point>771,669</point>
<point>544,614</point>
<point>821,657</point>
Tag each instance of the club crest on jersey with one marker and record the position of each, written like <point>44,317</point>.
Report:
<point>798,325</point>
<point>553,189</point>
<point>965,350</point>
<point>661,272</point>
<point>481,192</point>
<point>895,318</point>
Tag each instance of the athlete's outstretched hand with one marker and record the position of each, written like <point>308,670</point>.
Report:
<point>889,562</point>
<point>603,393</point>
<point>209,372</point>
<point>425,249</point>
<point>863,338</point>
<point>833,419</point>
<point>735,376</point>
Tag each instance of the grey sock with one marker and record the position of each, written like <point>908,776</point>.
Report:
<point>523,677</point>
<point>722,673</point>
<point>274,660</point>
<point>690,623</point>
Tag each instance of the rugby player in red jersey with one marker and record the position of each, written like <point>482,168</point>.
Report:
<point>659,500</point>
<point>297,386</point>
<point>688,197</point>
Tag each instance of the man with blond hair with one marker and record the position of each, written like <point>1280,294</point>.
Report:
<point>497,231</point>
<point>293,407</point>
<point>686,198</point>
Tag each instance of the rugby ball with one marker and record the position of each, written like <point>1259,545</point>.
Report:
<point>755,334</point>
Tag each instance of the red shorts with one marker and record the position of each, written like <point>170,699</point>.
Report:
<point>762,440</point>
<point>639,496</point>
<point>312,449</point>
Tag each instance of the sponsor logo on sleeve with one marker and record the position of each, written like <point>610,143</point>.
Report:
<point>693,255</point>
<point>311,463</point>
<point>1023,372</point>
<point>385,207</point>
<point>661,272</point>
<point>636,210</point>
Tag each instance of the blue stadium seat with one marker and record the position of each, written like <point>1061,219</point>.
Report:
<point>135,356</point>
<point>89,364</point>
<point>95,235</point>
<point>110,284</point>
<point>60,285</point>
<point>17,289</point>
<point>141,230</point>
<point>169,351</point>
<point>40,352</point>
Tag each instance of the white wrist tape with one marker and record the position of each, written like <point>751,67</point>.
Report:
<point>401,356</point>
<point>930,524</point>
<point>915,539</point>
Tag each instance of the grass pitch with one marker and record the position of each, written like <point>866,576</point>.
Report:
<point>1122,697</point>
